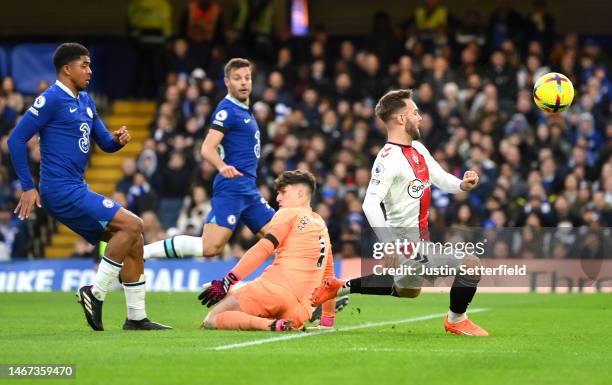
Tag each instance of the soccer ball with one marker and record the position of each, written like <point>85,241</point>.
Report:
<point>553,92</point>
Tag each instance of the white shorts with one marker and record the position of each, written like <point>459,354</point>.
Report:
<point>426,266</point>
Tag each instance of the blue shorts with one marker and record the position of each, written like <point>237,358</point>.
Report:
<point>252,210</point>
<point>85,212</point>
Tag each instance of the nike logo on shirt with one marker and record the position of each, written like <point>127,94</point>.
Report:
<point>72,109</point>
<point>247,120</point>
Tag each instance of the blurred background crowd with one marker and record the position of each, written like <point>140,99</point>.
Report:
<point>314,97</point>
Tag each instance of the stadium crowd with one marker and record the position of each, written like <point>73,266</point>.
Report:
<point>314,101</point>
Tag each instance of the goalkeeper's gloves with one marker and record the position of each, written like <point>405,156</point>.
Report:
<point>217,290</point>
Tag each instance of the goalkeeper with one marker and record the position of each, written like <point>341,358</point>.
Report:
<point>279,299</point>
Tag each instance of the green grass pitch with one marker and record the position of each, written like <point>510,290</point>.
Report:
<point>535,339</point>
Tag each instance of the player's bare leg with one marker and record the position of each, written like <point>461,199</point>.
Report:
<point>123,256</point>
<point>228,315</point>
<point>406,292</point>
<point>214,239</point>
<point>120,236</point>
<point>125,237</point>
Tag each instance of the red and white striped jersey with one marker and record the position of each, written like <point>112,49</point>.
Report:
<point>402,176</point>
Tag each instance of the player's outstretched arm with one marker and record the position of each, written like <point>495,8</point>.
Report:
<point>470,180</point>
<point>110,142</point>
<point>28,126</point>
<point>439,177</point>
<point>280,226</point>
<point>209,153</point>
<point>445,180</point>
<point>252,259</point>
<point>122,136</point>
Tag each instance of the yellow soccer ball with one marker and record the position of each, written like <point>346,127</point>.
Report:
<point>553,92</point>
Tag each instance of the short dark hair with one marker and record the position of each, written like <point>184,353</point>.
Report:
<point>296,177</point>
<point>66,53</point>
<point>235,63</point>
<point>391,102</point>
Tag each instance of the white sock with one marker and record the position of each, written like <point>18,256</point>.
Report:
<point>108,271</point>
<point>344,290</point>
<point>175,247</point>
<point>135,299</point>
<point>456,317</point>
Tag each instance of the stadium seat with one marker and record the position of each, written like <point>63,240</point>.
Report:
<point>31,63</point>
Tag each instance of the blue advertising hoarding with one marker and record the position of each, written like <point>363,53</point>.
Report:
<point>69,275</point>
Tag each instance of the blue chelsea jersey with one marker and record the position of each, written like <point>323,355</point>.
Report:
<point>66,126</point>
<point>240,146</point>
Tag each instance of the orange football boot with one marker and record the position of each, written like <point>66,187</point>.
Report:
<point>464,328</point>
<point>328,290</point>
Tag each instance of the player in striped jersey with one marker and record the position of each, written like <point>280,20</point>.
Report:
<point>401,181</point>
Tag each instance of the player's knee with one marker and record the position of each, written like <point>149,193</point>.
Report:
<point>209,321</point>
<point>471,262</point>
<point>138,244</point>
<point>135,228</point>
<point>407,293</point>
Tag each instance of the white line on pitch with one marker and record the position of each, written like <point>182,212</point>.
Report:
<point>344,329</point>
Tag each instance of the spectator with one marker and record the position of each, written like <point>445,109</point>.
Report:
<point>141,197</point>
<point>180,60</point>
<point>195,210</point>
<point>7,115</point>
<point>13,98</point>
<point>129,169</point>
<point>504,23</point>
<point>174,180</point>
<point>149,24</point>
<point>430,18</point>
<point>201,25</point>
<point>152,229</point>
<point>503,76</point>
<point>541,25</point>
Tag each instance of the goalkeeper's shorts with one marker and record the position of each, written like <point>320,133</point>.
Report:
<point>266,299</point>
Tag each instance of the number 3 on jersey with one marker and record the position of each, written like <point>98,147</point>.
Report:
<point>84,140</point>
<point>257,147</point>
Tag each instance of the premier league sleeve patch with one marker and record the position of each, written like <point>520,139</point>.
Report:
<point>39,102</point>
<point>220,117</point>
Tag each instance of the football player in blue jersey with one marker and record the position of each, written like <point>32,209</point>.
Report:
<point>66,120</point>
<point>233,146</point>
